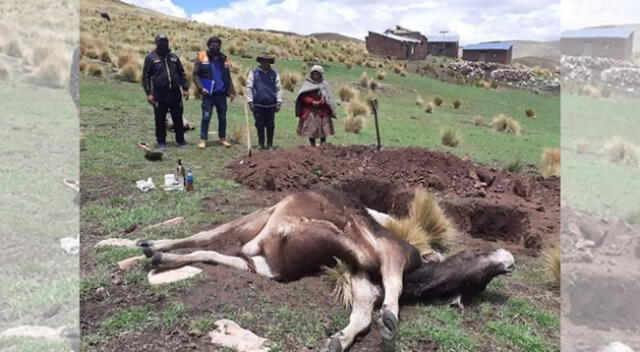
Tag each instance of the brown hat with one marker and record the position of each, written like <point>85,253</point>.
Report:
<point>266,56</point>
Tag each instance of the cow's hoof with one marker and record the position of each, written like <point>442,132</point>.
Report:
<point>389,324</point>
<point>334,345</point>
<point>156,259</point>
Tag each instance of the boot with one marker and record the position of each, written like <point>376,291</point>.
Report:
<point>202,144</point>
<point>223,142</point>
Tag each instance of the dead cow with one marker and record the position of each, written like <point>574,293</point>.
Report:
<point>306,231</point>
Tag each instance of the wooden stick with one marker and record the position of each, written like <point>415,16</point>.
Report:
<point>246,117</point>
<point>374,106</point>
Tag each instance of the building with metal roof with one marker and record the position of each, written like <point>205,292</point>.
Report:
<point>499,52</point>
<point>611,42</point>
<point>399,43</point>
<point>443,44</point>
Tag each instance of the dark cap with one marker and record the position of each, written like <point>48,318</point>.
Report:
<point>214,40</point>
<point>160,37</point>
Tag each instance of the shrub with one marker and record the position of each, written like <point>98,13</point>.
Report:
<point>4,72</point>
<point>550,162</point>
<point>478,121</point>
<point>349,64</point>
<point>94,70</point>
<point>358,108</point>
<point>398,68</point>
<point>530,112</point>
<point>12,47</point>
<point>129,57</point>
<point>364,80</point>
<point>621,151</point>
<point>238,134</point>
<point>438,101</point>
<point>381,75</point>
<point>516,165</point>
<point>505,124</point>
<point>450,138</point>
<point>494,84</point>
<point>346,93</point>
<point>289,80</point>
<point>428,108</point>
<point>353,124</point>
<point>419,100</point>
<point>373,85</point>
<point>130,72</point>
<point>456,104</point>
<point>105,56</point>
<point>553,263</point>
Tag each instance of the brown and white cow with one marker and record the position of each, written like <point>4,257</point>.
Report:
<point>306,231</point>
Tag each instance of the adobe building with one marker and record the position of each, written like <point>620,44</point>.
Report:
<point>610,42</point>
<point>443,45</point>
<point>499,52</point>
<point>399,43</point>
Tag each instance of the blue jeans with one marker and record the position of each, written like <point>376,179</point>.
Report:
<point>208,102</point>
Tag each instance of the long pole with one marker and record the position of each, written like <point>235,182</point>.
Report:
<point>246,118</point>
<point>374,106</point>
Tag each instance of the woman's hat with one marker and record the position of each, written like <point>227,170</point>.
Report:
<point>267,57</point>
<point>317,68</point>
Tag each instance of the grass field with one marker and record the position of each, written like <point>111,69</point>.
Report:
<point>591,182</point>
<point>518,313</point>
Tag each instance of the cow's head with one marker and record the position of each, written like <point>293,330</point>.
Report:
<point>465,273</point>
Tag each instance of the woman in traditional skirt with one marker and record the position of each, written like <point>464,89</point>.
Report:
<point>315,107</point>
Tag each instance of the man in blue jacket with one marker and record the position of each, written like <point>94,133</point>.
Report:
<point>264,96</point>
<point>213,80</point>
<point>162,78</point>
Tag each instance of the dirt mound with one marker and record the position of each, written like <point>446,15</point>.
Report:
<point>488,203</point>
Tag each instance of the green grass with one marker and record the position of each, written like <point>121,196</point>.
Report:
<point>519,336</point>
<point>440,323</point>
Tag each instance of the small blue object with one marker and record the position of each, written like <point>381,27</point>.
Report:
<point>189,176</point>
<point>207,84</point>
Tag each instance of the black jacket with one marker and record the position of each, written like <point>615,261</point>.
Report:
<point>163,72</point>
<point>199,71</point>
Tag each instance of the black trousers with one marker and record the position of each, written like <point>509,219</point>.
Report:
<point>265,123</point>
<point>168,101</point>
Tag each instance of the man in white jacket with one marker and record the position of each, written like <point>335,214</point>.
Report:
<point>264,96</point>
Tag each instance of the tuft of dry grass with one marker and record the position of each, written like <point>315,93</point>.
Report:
<point>131,72</point>
<point>364,80</point>
<point>530,112</point>
<point>353,124</point>
<point>494,85</point>
<point>105,55</point>
<point>346,93</point>
<point>550,162</point>
<point>381,75</point>
<point>12,47</point>
<point>450,138</point>
<point>428,108</point>
<point>438,101</point>
<point>94,70</point>
<point>131,56</point>
<point>478,121</point>
<point>4,72</point>
<point>621,151</point>
<point>552,260</point>
<point>339,277</point>
<point>419,100</point>
<point>411,232</point>
<point>238,134</point>
<point>357,108</point>
<point>504,124</point>
<point>235,48</point>
<point>457,103</point>
<point>289,80</point>
<point>398,69</point>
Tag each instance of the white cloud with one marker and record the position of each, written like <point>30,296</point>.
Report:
<point>163,6</point>
<point>587,13</point>
<point>480,20</point>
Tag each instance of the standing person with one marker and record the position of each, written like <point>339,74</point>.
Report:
<point>162,78</point>
<point>315,106</point>
<point>213,80</point>
<point>264,96</point>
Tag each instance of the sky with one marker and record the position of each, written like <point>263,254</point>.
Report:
<point>473,20</point>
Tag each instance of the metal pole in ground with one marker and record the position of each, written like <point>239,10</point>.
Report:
<point>373,102</point>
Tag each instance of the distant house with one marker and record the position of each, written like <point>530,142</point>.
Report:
<point>443,45</point>
<point>499,52</point>
<point>611,42</point>
<point>399,43</point>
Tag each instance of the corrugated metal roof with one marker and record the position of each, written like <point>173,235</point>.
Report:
<point>488,46</point>
<point>437,38</point>
<point>602,32</point>
<point>397,37</point>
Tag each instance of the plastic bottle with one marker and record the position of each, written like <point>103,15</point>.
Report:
<point>189,181</point>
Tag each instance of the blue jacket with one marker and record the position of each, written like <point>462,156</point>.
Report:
<point>264,88</point>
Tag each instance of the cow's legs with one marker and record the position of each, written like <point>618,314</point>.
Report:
<point>392,282</point>
<point>257,264</point>
<point>364,294</point>
<point>243,228</point>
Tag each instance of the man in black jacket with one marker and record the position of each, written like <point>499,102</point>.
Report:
<point>213,80</point>
<point>162,78</point>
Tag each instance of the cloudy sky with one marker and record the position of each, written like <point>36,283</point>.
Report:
<point>474,21</point>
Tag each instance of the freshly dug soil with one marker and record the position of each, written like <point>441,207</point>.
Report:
<point>486,202</point>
